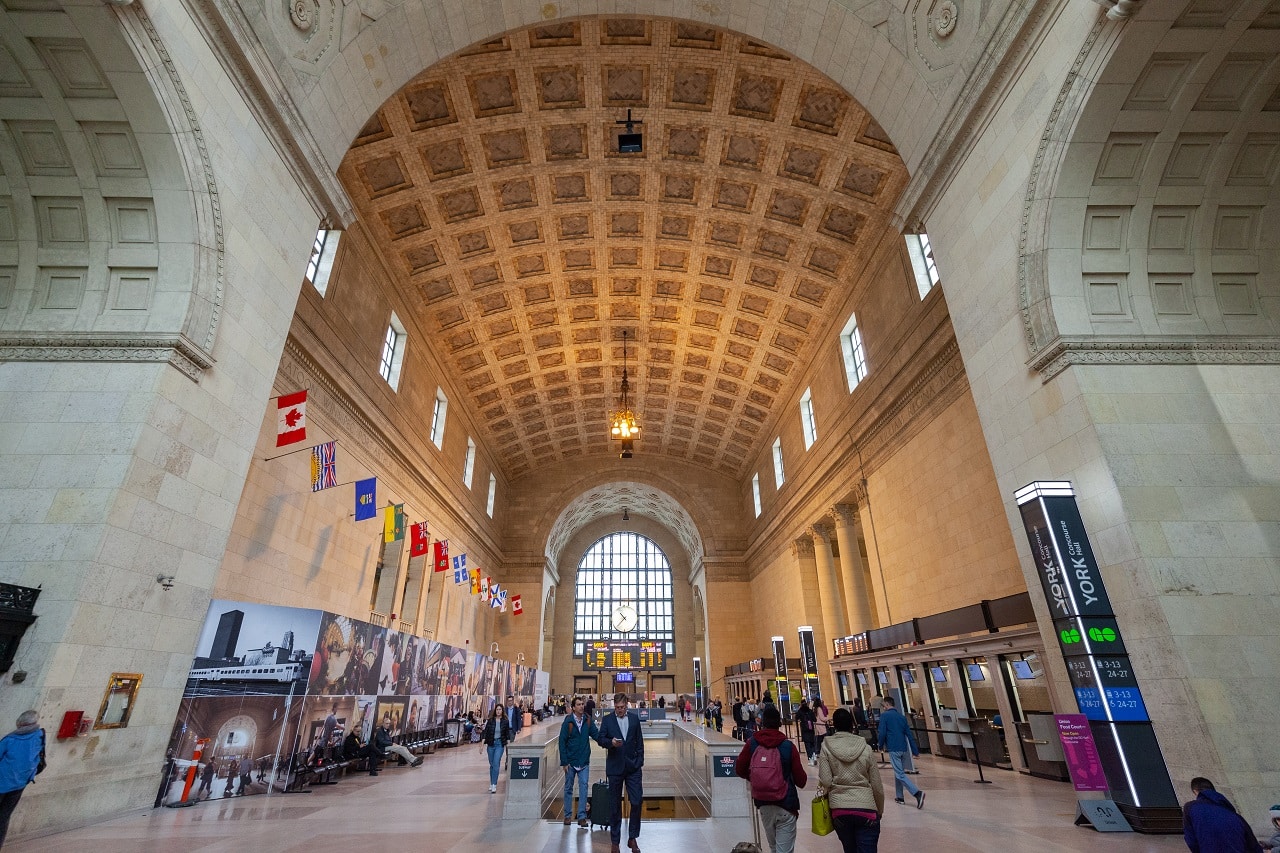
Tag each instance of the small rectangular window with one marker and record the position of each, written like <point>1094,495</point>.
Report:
<point>855,357</point>
<point>438,418</point>
<point>922,262</point>
<point>779,475</point>
<point>493,493</point>
<point>807,420</point>
<point>469,466</point>
<point>392,352</point>
<point>755,493</point>
<point>320,264</point>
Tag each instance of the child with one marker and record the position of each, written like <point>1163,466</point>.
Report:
<point>1273,843</point>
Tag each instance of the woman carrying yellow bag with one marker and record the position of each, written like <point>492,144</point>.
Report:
<point>847,775</point>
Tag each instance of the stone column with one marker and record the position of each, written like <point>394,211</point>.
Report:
<point>853,573</point>
<point>811,591</point>
<point>833,612</point>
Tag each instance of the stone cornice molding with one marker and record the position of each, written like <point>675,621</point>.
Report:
<point>996,69</point>
<point>247,62</point>
<point>938,383</point>
<point>302,371</point>
<point>1063,352</point>
<point>99,347</point>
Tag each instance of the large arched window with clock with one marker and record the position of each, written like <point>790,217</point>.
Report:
<point>623,593</point>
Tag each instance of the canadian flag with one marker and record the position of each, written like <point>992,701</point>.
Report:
<point>516,607</point>
<point>291,418</point>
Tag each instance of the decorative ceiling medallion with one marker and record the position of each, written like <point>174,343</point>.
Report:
<point>944,20</point>
<point>303,14</point>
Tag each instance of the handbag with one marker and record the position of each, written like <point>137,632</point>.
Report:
<point>822,824</point>
<point>41,764</point>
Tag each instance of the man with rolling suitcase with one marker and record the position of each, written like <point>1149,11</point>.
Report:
<point>620,734</point>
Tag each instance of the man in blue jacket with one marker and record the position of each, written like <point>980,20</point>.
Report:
<point>19,757</point>
<point>1210,824</point>
<point>896,738</point>
<point>620,734</point>
<point>576,733</point>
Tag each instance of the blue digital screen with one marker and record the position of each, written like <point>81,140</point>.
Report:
<point>908,676</point>
<point>882,677</point>
<point>976,673</point>
<point>1090,702</point>
<point>862,678</point>
<point>939,674</point>
<point>1126,704</point>
<point>1022,669</point>
<point>624,676</point>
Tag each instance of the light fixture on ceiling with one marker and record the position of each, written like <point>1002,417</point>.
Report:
<point>630,142</point>
<point>624,427</point>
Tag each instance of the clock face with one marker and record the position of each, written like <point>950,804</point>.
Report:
<point>625,618</point>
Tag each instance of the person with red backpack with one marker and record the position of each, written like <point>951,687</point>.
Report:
<point>772,765</point>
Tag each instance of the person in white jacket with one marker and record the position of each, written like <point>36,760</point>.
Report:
<point>847,774</point>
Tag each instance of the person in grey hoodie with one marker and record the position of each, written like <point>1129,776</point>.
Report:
<point>848,775</point>
<point>19,757</point>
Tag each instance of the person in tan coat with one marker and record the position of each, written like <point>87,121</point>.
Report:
<point>848,775</point>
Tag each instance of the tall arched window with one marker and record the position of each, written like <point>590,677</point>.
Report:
<point>623,568</point>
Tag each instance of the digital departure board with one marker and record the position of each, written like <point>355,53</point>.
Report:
<point>625,654</point>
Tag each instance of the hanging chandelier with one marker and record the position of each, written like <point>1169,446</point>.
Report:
<point>624,427</point>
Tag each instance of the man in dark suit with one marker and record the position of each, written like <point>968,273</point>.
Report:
<point>515,716</point>
<point>620,735</point>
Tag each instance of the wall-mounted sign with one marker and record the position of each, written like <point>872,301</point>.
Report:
<point>524,767</point>
<point>724,766</point>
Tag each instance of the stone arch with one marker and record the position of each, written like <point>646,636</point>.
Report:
<point>1141,240</point>
<point>638,499</point>
<point>113,249</point>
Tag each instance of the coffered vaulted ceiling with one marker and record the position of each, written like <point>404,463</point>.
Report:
<point>493,184</point>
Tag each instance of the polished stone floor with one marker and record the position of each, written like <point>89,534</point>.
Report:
<point>445,807</point>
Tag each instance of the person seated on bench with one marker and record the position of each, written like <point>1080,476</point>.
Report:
<point>352,749</point>
<point>381,745</point>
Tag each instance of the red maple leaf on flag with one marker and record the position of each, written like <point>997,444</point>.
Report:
<point>292,417</point>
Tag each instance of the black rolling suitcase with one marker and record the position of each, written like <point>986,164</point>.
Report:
<point>601,809</point>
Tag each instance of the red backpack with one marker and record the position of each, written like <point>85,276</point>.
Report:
<point>768,774</point>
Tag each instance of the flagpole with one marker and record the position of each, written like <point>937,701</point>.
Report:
<point>309,448</point>
<point>278,396</point>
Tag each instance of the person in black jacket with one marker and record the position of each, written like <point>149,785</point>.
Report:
<point>806,719</point>
<point>378,745</point>
<point>497,734</point>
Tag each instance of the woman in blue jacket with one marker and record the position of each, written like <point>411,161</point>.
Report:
<point>19,756</point>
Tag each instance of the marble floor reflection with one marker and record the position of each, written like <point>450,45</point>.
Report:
<point>445,807</point>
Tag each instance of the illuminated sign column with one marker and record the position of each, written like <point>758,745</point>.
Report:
<point>1092,648</point>
<point>781,690</point>
<point>697,684</point>
<point>809,660</point>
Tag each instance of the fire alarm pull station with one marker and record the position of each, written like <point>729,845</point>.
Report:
<point>70,724</point>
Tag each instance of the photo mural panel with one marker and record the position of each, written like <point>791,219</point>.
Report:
<point>282,687</point>
<point>253,649</point>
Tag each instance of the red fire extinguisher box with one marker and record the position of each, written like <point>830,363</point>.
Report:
<point>70,724</point>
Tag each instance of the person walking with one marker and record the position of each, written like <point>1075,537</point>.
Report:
<point>207,774</point>
<point>771,764</point>
<point>246,774</point>
<point>20,752</point>
<point>895,737</point>
<point>576,733</point>
<point>515,716</point>
<point>497,734</point>
<point>620,735</point>
<point>739,718</point>
<point>821,725</point>
<point>847,774</point>
<point>1210,824</point>
<point>806,719</point>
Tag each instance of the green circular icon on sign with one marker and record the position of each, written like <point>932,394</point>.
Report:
<point>1069,636</point>
<point>1102,635</point>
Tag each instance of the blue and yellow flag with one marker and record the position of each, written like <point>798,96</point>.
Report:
<point>366,498</point>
